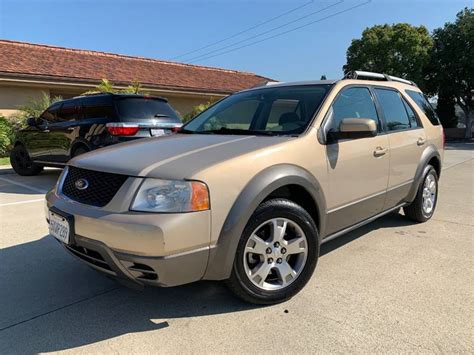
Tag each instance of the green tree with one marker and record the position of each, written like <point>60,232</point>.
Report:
<point>401,50</point>
<point>446,110</point>
<point>323,77</point>
<point>450,71</point>
<point>35,107</point>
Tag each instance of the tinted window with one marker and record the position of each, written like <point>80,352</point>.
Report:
<point>98,107</point>
<point>424,105</point>
<point>144,108</point>
<point>411,114</point>
<point>280,110</point>
<point>353,102</point>
<point>50,114</point>
<point>67,112</point>
<point>394,112</point>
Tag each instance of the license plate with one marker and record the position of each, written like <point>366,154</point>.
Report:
<point>59,227</point>
<point>159,132</point>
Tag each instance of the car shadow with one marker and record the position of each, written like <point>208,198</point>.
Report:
<point>49,301</point>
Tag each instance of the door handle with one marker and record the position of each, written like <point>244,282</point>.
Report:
<point>379,151</point>
<point>421,141</point>
<point>45,130</point>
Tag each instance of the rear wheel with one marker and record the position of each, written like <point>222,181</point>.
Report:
<point>276,255</point>
<point>423,207</point>
<point>21,162</point>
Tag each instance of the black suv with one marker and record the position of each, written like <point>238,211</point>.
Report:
<point>75,126</point>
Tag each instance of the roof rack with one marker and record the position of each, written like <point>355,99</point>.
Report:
<point>359,74</point>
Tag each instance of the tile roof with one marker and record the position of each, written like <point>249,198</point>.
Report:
<point>44,61</point>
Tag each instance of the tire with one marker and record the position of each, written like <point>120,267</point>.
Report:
<point>79,151</point>
<point>21,162</point>
<point>421,210</point>
<point>301,254</point>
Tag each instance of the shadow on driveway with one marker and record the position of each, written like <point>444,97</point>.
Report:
<point>49,301</point>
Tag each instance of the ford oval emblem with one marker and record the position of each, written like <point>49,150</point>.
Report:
<point>81,184</point>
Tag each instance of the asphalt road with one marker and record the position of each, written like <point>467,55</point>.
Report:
<point>389,286</point>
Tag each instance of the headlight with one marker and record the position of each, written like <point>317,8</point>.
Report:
<point>156,195</point>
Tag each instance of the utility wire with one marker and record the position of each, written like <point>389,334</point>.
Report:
<point>265,32</point>
<point>291,30</point>
<point>246,30</point>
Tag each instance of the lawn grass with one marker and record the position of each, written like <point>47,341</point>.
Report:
<point>5,161</point>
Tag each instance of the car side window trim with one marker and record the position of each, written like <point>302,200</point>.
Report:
<point>381,113</point>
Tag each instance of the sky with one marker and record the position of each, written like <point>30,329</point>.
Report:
<point>165,29</point>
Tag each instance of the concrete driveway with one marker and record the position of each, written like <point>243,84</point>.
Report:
<point>389,286</point>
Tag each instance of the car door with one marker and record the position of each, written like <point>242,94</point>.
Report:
<point>61,132</point>
<point>37,140</point>
<point>358,168</point>
<point>407,140</point>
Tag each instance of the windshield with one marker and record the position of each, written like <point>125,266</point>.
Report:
<point>145,108</point>
<point>269,111</point>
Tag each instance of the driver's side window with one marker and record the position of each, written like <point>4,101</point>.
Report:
<point>50,115</point>
<point>354,102</point>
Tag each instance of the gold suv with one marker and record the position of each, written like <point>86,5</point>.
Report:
<point>250,188</point>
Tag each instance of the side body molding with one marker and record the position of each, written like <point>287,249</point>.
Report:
<point>221,256</point>
<point>429,153</point>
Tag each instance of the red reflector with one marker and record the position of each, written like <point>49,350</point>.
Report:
<point>118,129</point>
<point>175,129</point>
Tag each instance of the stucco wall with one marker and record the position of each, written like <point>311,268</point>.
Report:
<point>11,97</point>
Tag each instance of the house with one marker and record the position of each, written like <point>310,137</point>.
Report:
<point>27,70</point>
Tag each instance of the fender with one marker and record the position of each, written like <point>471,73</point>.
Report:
<point>221,257</point>
<point>429,153</point>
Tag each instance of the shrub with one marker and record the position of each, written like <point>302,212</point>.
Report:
<point>7,136</point>
<point>197,110</point>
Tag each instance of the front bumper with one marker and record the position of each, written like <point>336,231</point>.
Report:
<point>138,248</point>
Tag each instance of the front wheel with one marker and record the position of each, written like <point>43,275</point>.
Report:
<point>423,207</point>
<point>276,255</point>
<point>21,162</point>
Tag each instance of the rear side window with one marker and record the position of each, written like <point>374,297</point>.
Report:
<point>98,107</point>
<point>424,105</point>
<point>411,114</point>
<point>131,108</point>
<point>354,102</point>
<point>394,111</point>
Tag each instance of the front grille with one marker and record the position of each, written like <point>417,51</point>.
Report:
<point>101,187</point>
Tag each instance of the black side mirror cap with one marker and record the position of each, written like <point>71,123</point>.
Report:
<point>31,122</point>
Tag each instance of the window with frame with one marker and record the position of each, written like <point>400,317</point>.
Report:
<point>353,102</point>
<point>394,112</point>
<point>423,103</point>
<point>67,112</point>
<point>50,114</point>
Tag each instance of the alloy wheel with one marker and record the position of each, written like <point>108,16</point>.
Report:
<point>275,254</point>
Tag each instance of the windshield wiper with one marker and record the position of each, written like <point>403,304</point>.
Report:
<point>160,115</point>
<point>238,131</point>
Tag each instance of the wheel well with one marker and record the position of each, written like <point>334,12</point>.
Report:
<point>300,196</point>
<point>435,163</point>
<point>77,146</point>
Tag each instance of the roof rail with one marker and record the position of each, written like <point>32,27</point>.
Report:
<point>359,74</point>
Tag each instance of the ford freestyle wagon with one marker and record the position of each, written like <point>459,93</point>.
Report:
<point>251,187</point>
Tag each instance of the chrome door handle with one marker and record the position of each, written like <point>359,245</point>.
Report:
<point>379,151</point>
<point>421,141</point>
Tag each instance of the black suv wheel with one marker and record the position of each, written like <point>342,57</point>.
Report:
<point>21,162</point>
<point>276,255</point>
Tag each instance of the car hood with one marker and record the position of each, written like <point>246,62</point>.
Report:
<point>175,157</point>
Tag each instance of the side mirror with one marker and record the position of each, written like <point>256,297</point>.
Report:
<point>31,122</point>
<point>357,128</point>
